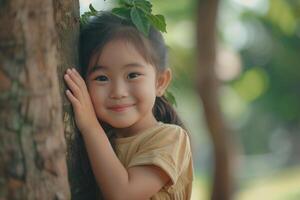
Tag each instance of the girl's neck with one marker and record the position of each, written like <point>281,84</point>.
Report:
<point>136,128</point>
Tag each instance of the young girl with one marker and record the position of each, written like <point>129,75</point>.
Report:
<point>120,94</point>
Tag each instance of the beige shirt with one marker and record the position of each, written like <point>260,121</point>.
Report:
<point>166,146</point>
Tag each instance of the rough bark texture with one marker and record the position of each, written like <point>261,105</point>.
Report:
<point>32,145</point>
<point>81,178</point>
<point>208,91</point>
<point>67,26</point>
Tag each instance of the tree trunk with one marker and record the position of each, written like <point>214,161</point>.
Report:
<point>81,178</point>
<point>32,145</point>
<point>208,91</point>
<point>82,182</point>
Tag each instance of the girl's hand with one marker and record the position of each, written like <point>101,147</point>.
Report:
<point>79,97</point>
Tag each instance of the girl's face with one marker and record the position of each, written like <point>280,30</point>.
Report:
<point>123,86</point>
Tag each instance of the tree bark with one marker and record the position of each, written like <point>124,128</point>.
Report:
<point>32,145</point>
<point>81,178</point>
<point>208,91</point>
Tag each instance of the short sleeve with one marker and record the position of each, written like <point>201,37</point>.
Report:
<point>168,149</point>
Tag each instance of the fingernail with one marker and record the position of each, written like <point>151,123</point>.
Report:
<point>74,69</point>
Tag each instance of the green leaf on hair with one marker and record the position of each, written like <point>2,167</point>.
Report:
<point>140,20</point>
<point>92,9</point>
<point>126,2</point>
<point>139,12</point>
<point>146,6</point>
<point>170,97</point>
<point>158,21</point>
<point>85,16</point>
<point>122,12</point>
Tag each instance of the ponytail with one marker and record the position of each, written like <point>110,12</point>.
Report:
<point>163,111</point>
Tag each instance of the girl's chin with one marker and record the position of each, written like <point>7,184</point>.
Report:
<point>116,124</point>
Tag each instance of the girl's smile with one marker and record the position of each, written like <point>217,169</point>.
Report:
<point>120,107</point>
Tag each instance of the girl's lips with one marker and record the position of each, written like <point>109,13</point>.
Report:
<point>120,108</point>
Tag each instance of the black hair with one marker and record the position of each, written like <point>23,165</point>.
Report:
<point>94,35</point>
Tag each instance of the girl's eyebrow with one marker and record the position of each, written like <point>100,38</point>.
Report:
<point>96,68</point>
<point>136,64</point>
<point>102,67</point>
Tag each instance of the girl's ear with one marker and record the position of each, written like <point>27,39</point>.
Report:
<point>163,80</point>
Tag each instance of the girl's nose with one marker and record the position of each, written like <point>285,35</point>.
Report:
<point>118,90</point>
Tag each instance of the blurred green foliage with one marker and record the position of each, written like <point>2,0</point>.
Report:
<point>281,26</point>
<point>270,80</point>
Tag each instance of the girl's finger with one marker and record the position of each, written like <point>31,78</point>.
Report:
<point>72,99</point>
<point>76,77</point>
<point>77,74</point>
<point>73,77</point>
<point>80,80</point>
<point>73,86</point>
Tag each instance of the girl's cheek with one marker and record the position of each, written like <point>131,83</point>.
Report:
<point>136,88</point>
<point>143,88</point>
<point>98,93</point>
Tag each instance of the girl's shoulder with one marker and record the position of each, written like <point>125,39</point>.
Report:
<point>167,132</point>
<point>162,132</point>
<point>173,128</point>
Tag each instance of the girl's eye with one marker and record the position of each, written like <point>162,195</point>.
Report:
<point>133,75</point>
<point>101,78</point>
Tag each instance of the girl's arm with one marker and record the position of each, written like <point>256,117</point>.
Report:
<point>115,181</point>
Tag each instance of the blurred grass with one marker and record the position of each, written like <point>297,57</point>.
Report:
<point>285,185</point>
<point>200,186</point>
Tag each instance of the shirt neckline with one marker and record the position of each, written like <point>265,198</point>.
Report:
<point>130,138</point>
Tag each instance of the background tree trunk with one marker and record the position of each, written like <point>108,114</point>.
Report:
<point>208,91</point>
<point>32,146</point>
